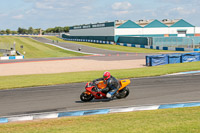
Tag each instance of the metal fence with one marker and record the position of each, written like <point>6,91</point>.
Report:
<point>185,42</point>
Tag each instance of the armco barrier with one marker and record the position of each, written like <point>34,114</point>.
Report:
<point>155,60</point>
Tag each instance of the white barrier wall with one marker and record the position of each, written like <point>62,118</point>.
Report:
<point>155,31</point>
<point>104,31</point>
<point>197,30</point>
<point>129,31</point>
<point>189,30</point>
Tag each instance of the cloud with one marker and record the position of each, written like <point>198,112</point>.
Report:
<point>18,16</point>
<point>183,11</point>
<point>58,4</point>
<point>42,5</point>
<point>87,8</point>
<point>31,11</point>
<point>3,15</point>
<point>119,13</point>
<point>180,2</point>
<point>121,6</point>
<point>51,13</point>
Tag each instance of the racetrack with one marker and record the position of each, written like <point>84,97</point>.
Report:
<point>143,91</point>
<point>109,60</point>
<point>74,46</point>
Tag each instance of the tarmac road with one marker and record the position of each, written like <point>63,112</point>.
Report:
<point>75,47</point>
<point>105,54</point>
<point>143,91</point>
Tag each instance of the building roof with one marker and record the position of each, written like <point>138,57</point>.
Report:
<point>129,24</point>
<point>143,23</point>
<point>169,22</point>
<point>181,23</point>
<point>155,24</point>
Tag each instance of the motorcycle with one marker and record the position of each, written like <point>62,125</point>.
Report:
<point>91,92</point>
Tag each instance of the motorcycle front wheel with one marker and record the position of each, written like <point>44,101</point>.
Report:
<point>123,93</point>
<point>85,97</point>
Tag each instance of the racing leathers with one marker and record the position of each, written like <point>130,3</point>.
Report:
<point>112,85</point>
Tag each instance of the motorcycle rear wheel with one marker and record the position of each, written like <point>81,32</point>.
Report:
<point>123,93</point>
<point>86,97</point>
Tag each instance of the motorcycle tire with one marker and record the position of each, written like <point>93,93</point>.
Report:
<point>123,93</point>
<point>85,97</point>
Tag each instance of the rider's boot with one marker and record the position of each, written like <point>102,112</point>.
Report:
<point>111,93</point>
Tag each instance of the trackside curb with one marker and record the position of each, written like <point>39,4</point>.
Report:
<point>12,57</point>
<point>28,117</point>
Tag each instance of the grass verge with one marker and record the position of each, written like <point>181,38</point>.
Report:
<point>9,82</point>
<point>113,47</point>
<point>180,120</point>
<point>36,49</point>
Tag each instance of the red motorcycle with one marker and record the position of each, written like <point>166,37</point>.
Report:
<point>92,93</point>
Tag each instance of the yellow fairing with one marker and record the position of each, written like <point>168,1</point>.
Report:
<point>124,83</point>
<point>101,85</point>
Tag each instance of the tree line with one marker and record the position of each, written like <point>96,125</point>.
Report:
<point>31,30</point>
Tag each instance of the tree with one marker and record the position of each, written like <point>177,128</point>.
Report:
<point>58,29</point>
<point>30,30</point>
<point>50,30</point>
<point>36,31</point>
<point>3,32</point>
<point>14,32</point>
<point>22,31</point>
<point>19,30</point>
<point>8,31</point>
<point>66,29</point>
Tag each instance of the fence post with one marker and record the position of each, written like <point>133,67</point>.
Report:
<point>192,43</point>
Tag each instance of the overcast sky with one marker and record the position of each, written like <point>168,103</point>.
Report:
<point>50,13</point>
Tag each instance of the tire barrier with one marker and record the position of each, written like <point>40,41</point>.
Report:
<point>88,40</point>
<point>163,59</point>
<point>134,45</point>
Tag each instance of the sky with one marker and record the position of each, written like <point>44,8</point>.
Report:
<point>51,13</point>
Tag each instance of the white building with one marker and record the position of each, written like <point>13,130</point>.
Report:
<point>121,31</point>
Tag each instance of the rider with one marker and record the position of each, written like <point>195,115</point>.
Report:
<point>112,84</point>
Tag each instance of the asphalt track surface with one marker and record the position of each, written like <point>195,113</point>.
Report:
<point>143,91</point>
<point>106,55</point>
<point>75,47</point>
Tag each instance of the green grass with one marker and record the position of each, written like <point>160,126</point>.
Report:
<point>113,47</point>
<point>36,49</point>
<point>72,77</point>
<point>180,120</point>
